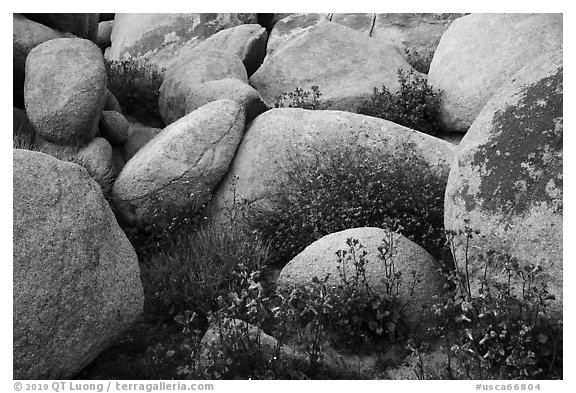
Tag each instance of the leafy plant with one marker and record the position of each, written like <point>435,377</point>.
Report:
<point>136,85</point>
<point>353,186</point>
<point>300,98</point>
<point>415,105</point>
<point>189,271</point>
<point>418,61</point>
<point>503,331</point>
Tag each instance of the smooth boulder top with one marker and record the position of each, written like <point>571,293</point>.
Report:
<point>65,89</point>
<point>278,138</point>
<point>183,77</point>
<point>479,53</point>
<point>507,178</point>
<point>320,260</point>
<point>339,60</point>
<point>179,168</point>
<point>76,276</point>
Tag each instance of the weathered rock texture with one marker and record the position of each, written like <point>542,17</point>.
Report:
<point>481,52</point>
<point>183,77</point>
<point>180,167</point>
<point>340,61</point>
<point>200,94</point>
<point>65,89</point>
<point>138,136</point>
<point>159,39</point>
<point>114,127</point>
<point>26,35</point>
<point>76,277</point>
<point>291,26</point>
<point>420,279</point>
<point>507,178</point>
<point>248,42</point>
<point>280,138</point>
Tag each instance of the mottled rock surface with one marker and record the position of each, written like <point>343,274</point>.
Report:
<point>507,178</point>
<point>76,276</point>
<point>65,89</point>
<point>481,52</point>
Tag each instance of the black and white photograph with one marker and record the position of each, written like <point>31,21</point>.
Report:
<point>209,197</point>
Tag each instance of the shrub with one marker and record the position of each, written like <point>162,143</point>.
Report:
<point>190,270</point>
<point>353,186</point>
<point>136,85</point>
<point>418,61</point>
<point>309,317</point>
<point>496,334</point>
<point>300,98</point>
<point>416,105</point>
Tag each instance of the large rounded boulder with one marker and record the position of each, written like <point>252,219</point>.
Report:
<point>76,280</point>
<point>506,181</point>
<point>183,77</point>
<point>386,253</point>
<point>26,35</point>
<point>65,89</point>
<point>279,139</point>
<point>179,168</point>
<point>481,52</point>
<point>159,39</point>
<point>342,62</point>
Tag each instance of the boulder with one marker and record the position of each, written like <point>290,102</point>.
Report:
<point>203,93</point>
<point>419,282</point>
<point>419,34</point>
<point>111,102</point>
<point>248,42</point>
<point>81,25</point>
<point>96,157</point>
<point>481,52</point>
<point>138,136</point>
<point>114,127</point>
<point>223,336</point>
<point>26,35</point>
<point>104,33</point>
<point>76,280</point>
<point>279,138</point>
<point>292,25</point>
<point>180,167</point>
<point>340,61</point>
<point>186,73</point>
<point>159,39</point>
<point>506,181</point>
<point>65,89</point>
